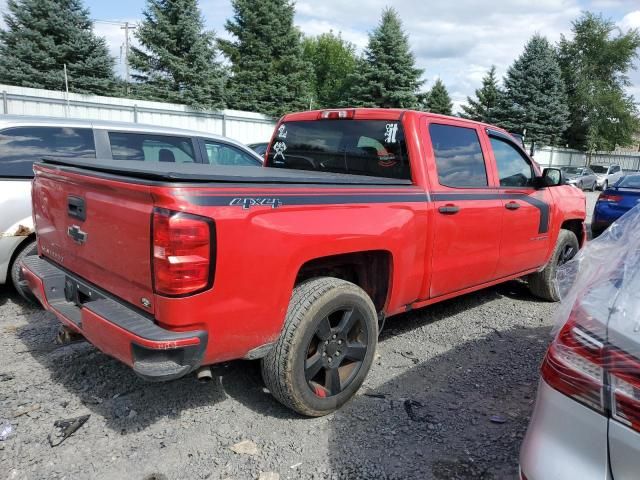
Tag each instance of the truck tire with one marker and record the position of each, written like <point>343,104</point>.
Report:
<point>28,248</point>
<point>326,347</point>
<point>543,284</point>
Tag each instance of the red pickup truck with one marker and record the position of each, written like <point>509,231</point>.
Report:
<point>363,214</point>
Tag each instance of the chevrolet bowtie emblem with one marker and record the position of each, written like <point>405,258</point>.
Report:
<point>77,235</point>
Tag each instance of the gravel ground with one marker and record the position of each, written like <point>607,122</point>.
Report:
<point>448,397</point>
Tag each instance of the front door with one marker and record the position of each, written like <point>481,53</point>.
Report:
<point>467,210</point>
<point>525,226</point>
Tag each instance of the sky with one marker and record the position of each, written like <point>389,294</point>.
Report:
<point>454,40</point>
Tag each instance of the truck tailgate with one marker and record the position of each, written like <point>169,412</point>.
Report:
<point>97,228</point>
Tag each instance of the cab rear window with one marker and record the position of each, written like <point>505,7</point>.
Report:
<point>359,147</point>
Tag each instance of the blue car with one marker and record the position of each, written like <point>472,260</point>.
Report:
<point>614,202</point>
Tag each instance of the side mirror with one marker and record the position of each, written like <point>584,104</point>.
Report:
<point>551,177</point>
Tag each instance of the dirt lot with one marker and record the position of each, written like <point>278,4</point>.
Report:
<point>449,397</point>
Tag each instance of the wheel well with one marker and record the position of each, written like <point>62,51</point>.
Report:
<point>369,270</point>
<point>576,227</point>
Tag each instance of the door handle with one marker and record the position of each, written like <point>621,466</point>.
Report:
<point>512,206</point>
<point>76,208</point>
<point>449,209</point>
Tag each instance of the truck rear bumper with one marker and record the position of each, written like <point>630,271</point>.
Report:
<point>118,330</point>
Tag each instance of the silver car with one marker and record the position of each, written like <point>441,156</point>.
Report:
<point>608,175</point>
<point>586,422</point>
<point>581,177</point>
<point>26,139</point>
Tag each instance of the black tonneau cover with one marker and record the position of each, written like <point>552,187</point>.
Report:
<point>200,173</point>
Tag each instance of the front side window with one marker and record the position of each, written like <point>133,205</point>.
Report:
<point>151,148</point>
<point>21,146</point>
<point>513,168</point>
<point>459,158</point>
<point>221,154</point>
<point>373,148</point>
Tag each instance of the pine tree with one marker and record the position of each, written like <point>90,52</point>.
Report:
<point>595,66</point>
<point>437,100</point>
<point>269,74</point>
<point>42,36</point>
<point>333,60</point>
<point>535,100</point>
<point>178,59</point>
<point>387,76</point>
<point>483,107</point>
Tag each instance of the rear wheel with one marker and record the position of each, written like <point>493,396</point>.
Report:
<point>28,248</point>
<point>326,347</point>
<point>543,284</point>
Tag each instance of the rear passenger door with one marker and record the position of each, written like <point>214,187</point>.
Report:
<point>525,225</point>
<point>467,210</point>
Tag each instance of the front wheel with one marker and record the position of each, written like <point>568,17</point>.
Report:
<point>326,347</point>
<point>543,284</point>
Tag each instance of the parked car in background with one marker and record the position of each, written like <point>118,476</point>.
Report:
<point>25,139</point>
<point>366,213</point>
<point>582,177</point>
<point>259,148</point>
<point>615,202</point>
<point>586,421</point>
<point>607,174</point>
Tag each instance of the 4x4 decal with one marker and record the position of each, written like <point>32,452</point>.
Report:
<point>248,202</point>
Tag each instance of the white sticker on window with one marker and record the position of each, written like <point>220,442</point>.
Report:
<point>279,148</point>
<point>391,133</point>
<point>282,131</point>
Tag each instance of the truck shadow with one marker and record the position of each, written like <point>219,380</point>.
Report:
<point>128,404</point>
<point>459,415</point>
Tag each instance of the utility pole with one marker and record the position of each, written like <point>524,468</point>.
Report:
<point>126,29</point>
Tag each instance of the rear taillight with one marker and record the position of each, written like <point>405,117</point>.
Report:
<point>580,364</point>
<point>624,379</point>
<point>574,363</point>
<point>183,253</point>
<point>607,197</point>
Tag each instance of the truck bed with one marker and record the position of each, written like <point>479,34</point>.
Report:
<point>202,173</point>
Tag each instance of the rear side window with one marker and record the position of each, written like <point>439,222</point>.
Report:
<point>225,155</point>
<point>459,158</point>
<point>151,148</point>
<point>631,181</point>
<point>513,168</point>
<point>21,146</point>
<point>359,147</point>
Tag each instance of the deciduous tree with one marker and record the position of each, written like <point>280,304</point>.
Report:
<point>595,65</point>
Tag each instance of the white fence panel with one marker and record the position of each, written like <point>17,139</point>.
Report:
<point>246,127</point>
<point>564,157</point>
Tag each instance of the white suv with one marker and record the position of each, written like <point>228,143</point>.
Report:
<point>24,140</point>
<point>607,175</point>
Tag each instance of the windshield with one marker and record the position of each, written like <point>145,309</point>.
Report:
<point>359,147</point>
<point>599,168</point>
<point>631,181</point>
<point>572,170</point>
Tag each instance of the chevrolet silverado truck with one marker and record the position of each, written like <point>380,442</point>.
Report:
<point>361,214</point>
